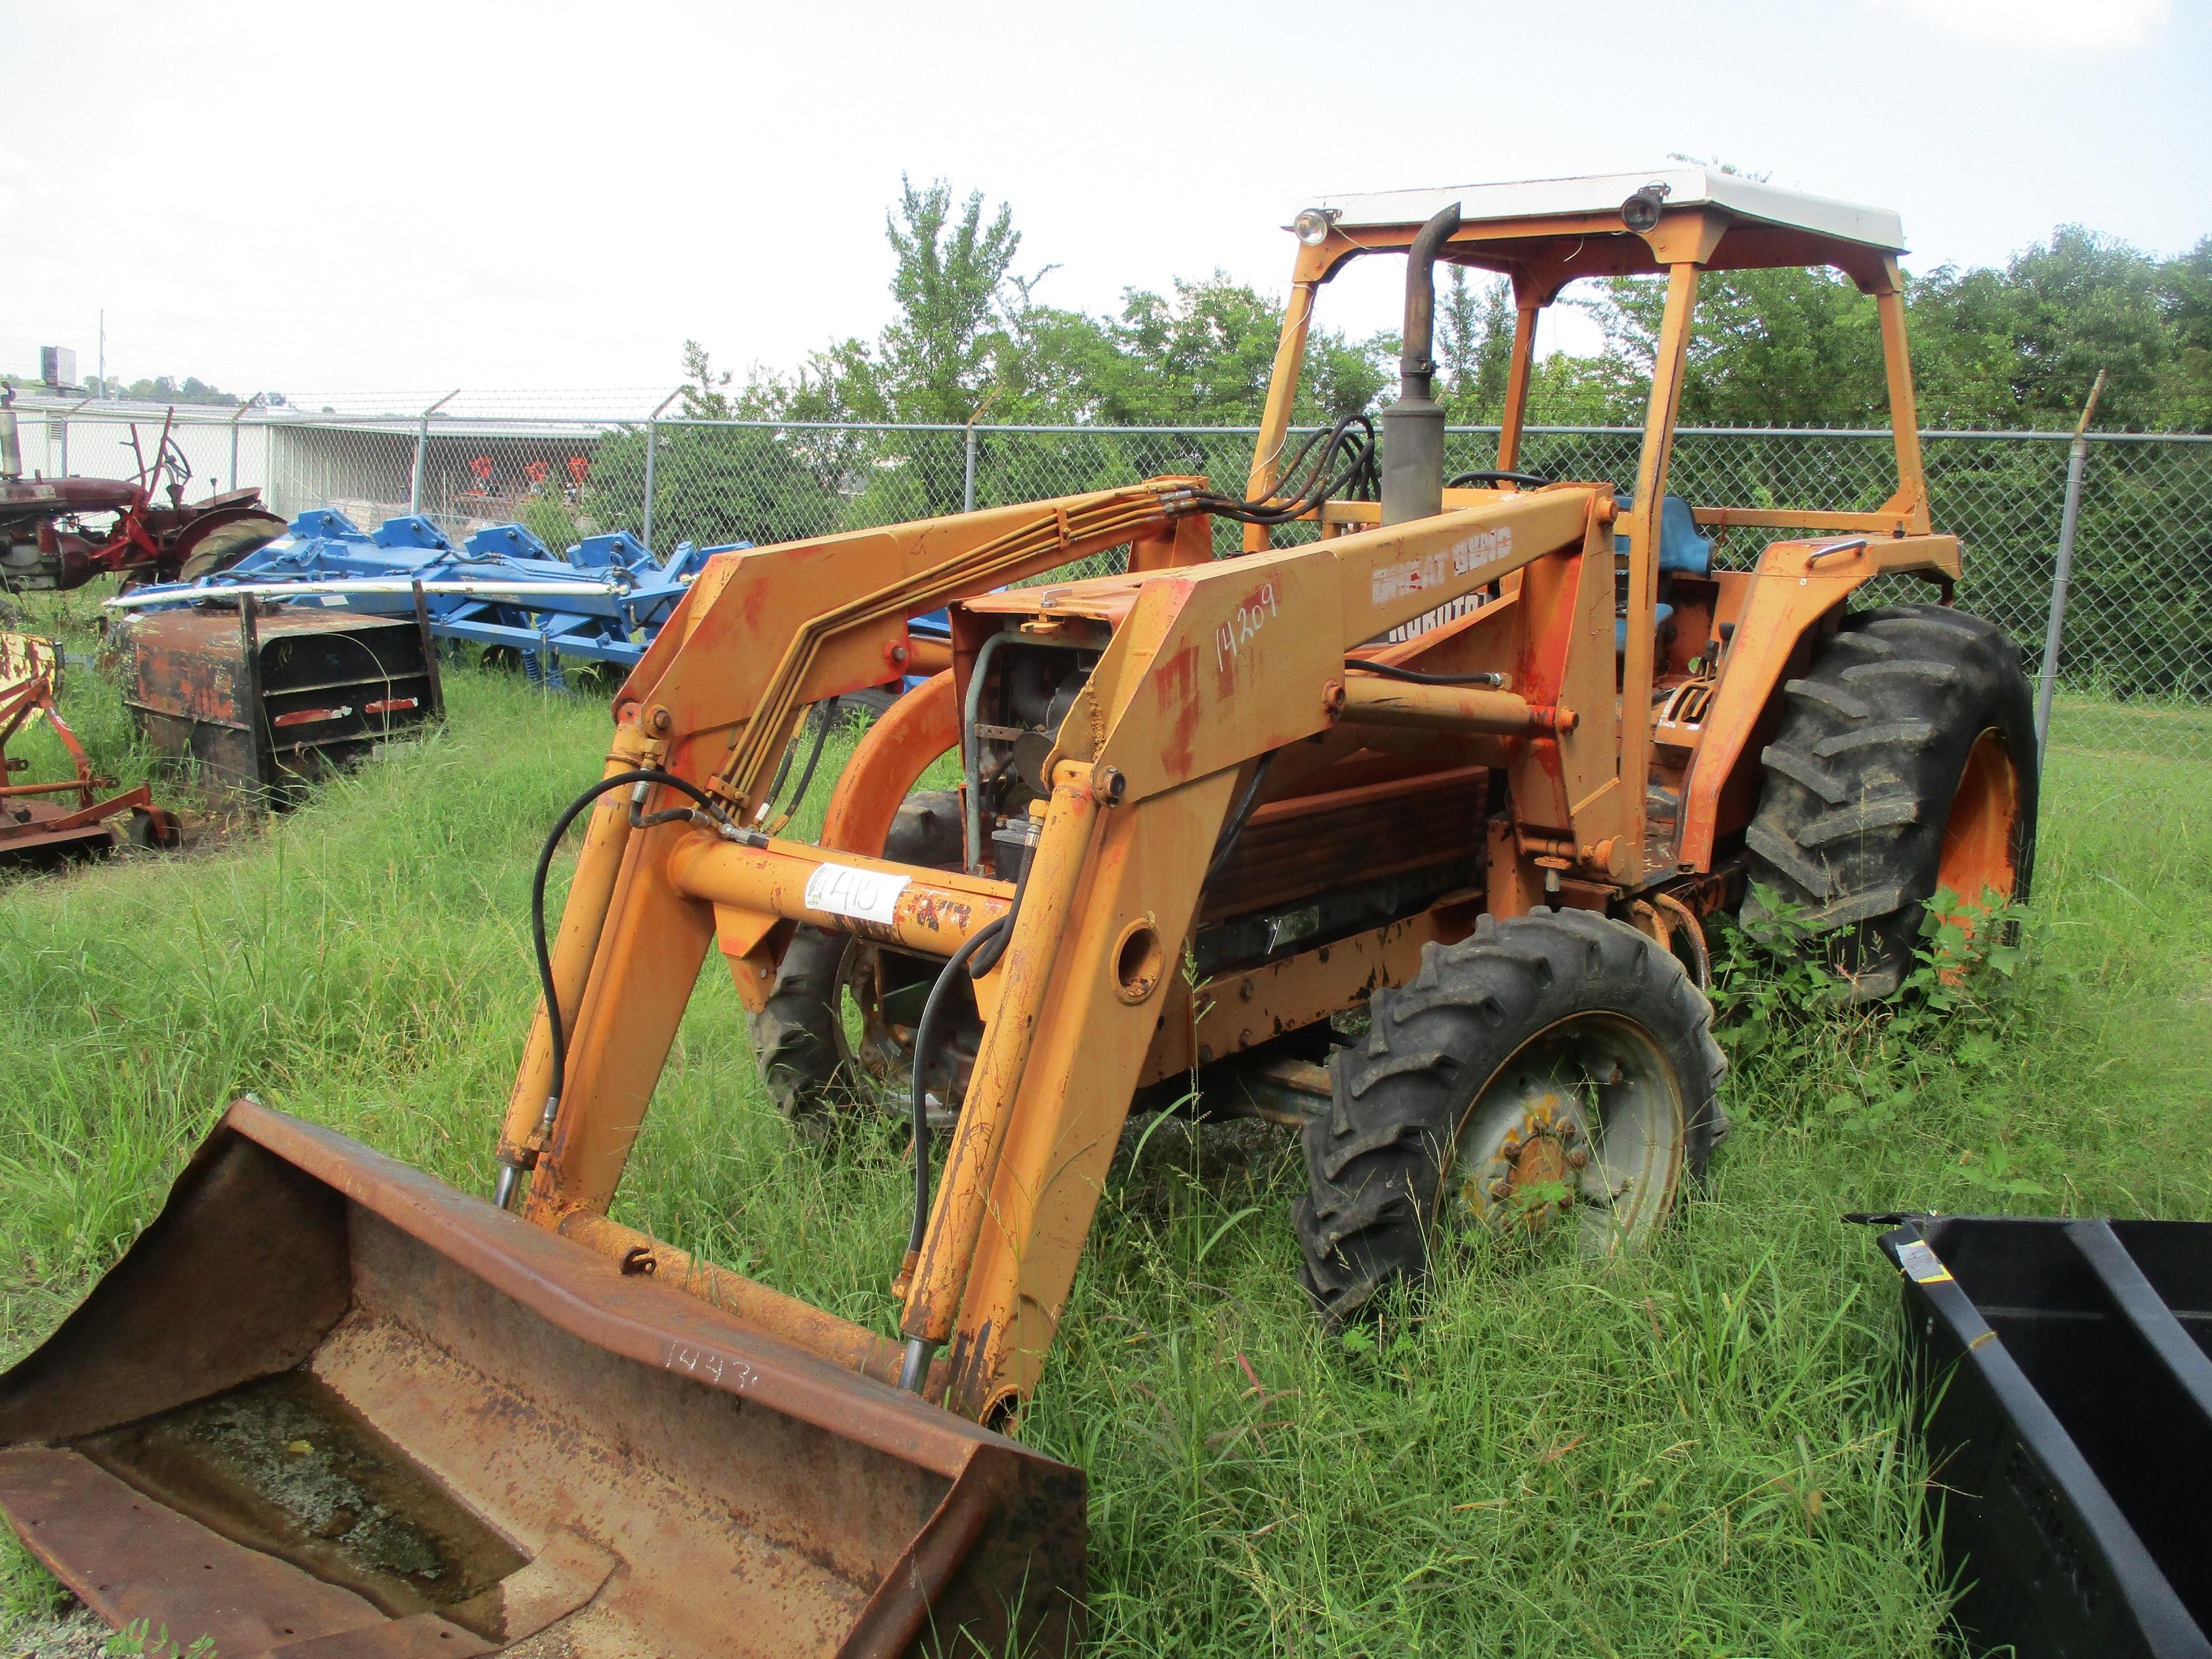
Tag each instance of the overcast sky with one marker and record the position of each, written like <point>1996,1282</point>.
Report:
<point>367,197</point>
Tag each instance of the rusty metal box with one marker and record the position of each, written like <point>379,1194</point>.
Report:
<point>266,699</point>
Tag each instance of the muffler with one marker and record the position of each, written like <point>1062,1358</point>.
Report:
<point>1414,427</point>
<point>327,1406</point>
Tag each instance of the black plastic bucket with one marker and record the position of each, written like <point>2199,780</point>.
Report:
<point>2067,1392</point>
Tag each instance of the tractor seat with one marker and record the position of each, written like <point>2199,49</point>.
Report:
<point>1682,550</point>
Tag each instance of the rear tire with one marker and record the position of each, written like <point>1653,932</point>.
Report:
<point>807,1060</point>
<point>226,545</point>
<point>1555,1032</point>
<point>1906,762</point>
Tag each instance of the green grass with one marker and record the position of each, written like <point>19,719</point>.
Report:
<point>1694,1451</point>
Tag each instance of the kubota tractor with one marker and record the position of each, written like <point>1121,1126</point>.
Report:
<point>1398,825</point>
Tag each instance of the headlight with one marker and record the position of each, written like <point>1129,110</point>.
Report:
<point>1311,226</point>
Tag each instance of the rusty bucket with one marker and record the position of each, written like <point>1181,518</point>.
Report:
<point>327,1406</point>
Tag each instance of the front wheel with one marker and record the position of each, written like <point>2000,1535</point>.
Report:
<point>1555,1070</point>
<point>811,1063</point>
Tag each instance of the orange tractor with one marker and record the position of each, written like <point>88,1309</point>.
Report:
<point>1400,824</point>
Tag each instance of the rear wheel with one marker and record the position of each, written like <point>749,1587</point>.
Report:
<point>224,544</point>
<point>810,1062</point>
<point>154,830</point>
<point>1906,763</point>
<point>1554,1070</point>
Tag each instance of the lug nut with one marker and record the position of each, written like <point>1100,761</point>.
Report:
<point>1576,1158</point>
<point>1568,1130</point>
<point>1501,1189</point>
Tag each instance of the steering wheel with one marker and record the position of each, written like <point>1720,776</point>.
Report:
<point>1491,475</point>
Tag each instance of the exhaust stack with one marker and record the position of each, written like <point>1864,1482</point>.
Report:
<point>1414,427</point>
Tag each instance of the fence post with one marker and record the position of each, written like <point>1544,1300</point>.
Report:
<point>968,489</point>
<point>64,424</point>
<point>652,443</point>
<point>422,444</point>
<point>2061,577</point>
<point>236,416</point>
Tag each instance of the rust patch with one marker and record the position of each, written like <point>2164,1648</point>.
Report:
<point>941,913</point>
<point>1176,681</point>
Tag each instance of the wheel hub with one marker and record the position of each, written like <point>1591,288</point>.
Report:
<point>1533,1169</point>
<point>1581,1125</point>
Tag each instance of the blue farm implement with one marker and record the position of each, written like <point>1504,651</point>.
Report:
<point>502,589</point>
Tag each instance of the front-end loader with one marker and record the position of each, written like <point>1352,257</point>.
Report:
<point>1398,825</point>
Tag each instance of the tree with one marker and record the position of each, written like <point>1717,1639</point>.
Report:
<point>2021,347</point>
<point>953,282</point>
<point>713,484</point>
<point>1474,348</point>
<point>1793,347</point>
<point>1459,345</point>
<point>2184,294</point>
<point>162,389</point>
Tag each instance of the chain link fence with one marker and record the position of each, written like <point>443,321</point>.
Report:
<point>2135,670</point>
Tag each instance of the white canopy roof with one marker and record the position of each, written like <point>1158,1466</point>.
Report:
<point>1684,187</point>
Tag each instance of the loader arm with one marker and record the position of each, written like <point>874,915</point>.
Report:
<point>1211,667</point>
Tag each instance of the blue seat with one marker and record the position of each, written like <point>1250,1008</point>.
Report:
<point>1682,550</point>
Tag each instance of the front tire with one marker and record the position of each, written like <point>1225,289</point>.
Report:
<point>1906,762</point>
<point>1556,1069</point>
<point>807,1060</point>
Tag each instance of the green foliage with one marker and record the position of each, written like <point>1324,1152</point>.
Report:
<point>1770,348</point>
<point>2016,347</point>
<point>547,515</point>
<point>1786,1020</point>
<point>970,340</point>
<point>142,1639</point>
<point>162,389</point>
<point>1475,346</point>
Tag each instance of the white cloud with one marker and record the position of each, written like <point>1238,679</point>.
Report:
<point>16,173</point>
<point>2054,25</point>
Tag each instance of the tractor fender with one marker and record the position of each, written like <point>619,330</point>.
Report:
<point>1797,587</point>
<point>887,761</point>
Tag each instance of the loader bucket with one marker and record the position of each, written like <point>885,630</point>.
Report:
<point>327,1406</point>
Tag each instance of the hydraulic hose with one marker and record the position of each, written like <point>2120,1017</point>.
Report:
<point>643,777</point>
<point>1235,827</point>
<point>1351,439</point>
<point>979,953</point>
<point>1390,670</point>
<point>813,759</point>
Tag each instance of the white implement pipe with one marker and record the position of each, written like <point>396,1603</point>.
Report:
<point>360,584</point>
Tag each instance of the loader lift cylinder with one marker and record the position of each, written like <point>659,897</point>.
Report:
<point>1414,427</point>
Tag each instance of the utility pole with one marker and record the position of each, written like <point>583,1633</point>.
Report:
<point>102,353</point>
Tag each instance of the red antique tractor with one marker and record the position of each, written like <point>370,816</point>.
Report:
<point>46,546</point>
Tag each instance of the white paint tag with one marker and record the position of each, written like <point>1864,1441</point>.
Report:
<point>864,895</point>
<point>1922,1265</point>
